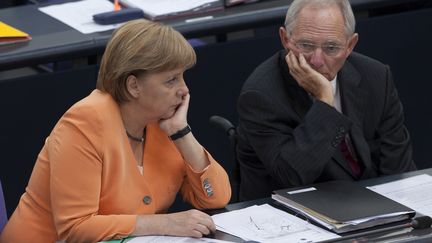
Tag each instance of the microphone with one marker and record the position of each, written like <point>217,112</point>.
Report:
<point>421,222</point>
<point>222,124</point>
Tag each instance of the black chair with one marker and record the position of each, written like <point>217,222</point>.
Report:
<point>224,125</point>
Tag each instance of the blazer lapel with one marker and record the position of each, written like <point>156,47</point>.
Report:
<point>353,101</point>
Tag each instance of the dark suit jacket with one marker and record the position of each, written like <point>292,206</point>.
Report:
<point>286,139</point>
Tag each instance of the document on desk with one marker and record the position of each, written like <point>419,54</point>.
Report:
<point>10,35</point>
<point>162,9</point>
<point>414,192</point>
<point>360,208</point>
<point>173,239</point>
<point>79,15</point>
<point>265,223</point>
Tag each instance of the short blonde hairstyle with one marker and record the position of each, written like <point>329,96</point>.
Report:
<point>141,47</point>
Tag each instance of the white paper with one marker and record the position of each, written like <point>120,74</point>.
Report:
<point>413,192</point>
<point>79,15</point>
<point>265,223</point>
<point>173,239</point>
<point>165,7</point>
<point>301,211</point>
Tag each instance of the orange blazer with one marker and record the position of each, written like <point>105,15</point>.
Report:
<point>86,186</point>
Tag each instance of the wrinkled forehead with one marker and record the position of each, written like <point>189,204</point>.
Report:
<point>320,23</point>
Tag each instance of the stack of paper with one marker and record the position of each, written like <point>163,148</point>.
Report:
<point>9,35</point>
<point>171,239</point>
<point>414,192</point>
<point>343,206</point>
<point>79,14</point>
<point>163,9</point>
<point>267,224</point>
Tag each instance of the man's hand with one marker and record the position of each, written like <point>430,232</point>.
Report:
<point>309,79</point>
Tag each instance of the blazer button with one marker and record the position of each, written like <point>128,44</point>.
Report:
<point>147,200</point>
<point>334,144</point>
<point>209,192</point>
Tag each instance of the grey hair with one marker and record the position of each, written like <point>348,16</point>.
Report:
<point>297,5</point>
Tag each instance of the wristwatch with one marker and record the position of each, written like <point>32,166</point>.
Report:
<point>181,133</point>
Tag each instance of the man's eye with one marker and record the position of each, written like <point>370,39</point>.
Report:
<point>332,48</point>
<point>306,46</point>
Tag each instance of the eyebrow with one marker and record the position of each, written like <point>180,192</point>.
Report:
<point>332,42</point>
<point>171,76</point>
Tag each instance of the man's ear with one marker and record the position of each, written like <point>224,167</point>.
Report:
<point>132,86</point>
<point>352,43</point>
<point>283,35</point>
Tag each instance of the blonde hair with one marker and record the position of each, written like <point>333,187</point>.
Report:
<point>140,47</point>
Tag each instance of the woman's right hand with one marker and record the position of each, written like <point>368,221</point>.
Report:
<point>191,223</point>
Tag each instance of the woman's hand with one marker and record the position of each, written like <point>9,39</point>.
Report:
<point>177,121</point>
<point>191,151</point>
<point>191,223</point>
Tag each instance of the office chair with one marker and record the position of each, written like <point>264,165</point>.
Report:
<point>3,215</point>
<point>224,125</point>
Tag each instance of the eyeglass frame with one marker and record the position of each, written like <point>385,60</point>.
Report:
<point>324,47</point>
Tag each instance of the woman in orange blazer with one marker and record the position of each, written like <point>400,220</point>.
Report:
<point>115,161</point>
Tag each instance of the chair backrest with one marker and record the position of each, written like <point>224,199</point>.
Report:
<point>224,125</point>
<point>3,214</point>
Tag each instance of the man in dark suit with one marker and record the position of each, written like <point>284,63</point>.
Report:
<point>318,111</point>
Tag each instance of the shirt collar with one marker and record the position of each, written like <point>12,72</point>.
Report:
<point>334,85</point>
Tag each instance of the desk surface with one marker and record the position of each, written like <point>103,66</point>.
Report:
<point>418,235</point>
<point>53,40</point>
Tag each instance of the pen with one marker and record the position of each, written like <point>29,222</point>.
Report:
<point>198,19</point>
<point>116,5</point>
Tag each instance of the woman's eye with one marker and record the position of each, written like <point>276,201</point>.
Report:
<point>171,81</point>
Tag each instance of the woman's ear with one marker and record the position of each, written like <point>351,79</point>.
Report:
<point>132,86</point>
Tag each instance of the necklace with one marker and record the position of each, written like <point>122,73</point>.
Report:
<point>137,139</point>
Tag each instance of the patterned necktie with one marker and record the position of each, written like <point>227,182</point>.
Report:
<point>353,163</point>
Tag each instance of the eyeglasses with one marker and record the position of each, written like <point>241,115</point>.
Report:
<point>330,49</point>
